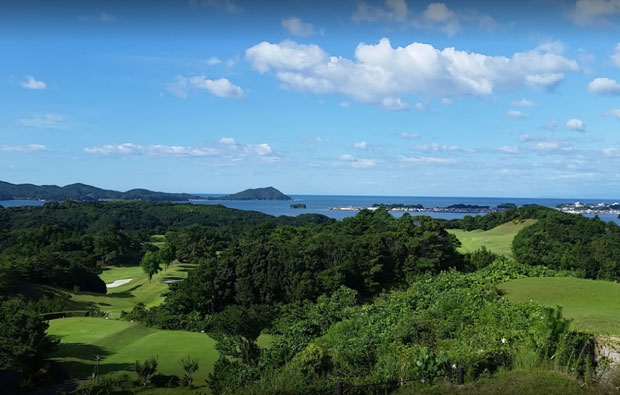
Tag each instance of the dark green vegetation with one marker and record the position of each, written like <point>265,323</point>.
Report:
<point>298,205</point>
<point>83,193</point>
<point>268,193</point>
<point>370,299</point>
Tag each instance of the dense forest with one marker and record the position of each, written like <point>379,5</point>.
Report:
<point>371,298</point>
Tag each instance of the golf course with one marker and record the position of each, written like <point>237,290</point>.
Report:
<point>497,240</point>
<point>591,304</point>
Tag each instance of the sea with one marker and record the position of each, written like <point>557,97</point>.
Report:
<point>321,204</point>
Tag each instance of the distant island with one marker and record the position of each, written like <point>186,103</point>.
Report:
<point>418,208</point>
<point>298,205</point>
<point>269,193</point>
<point>584,208</point>
<point>84,193</point>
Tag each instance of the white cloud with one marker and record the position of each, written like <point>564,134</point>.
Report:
<point>394,10</point>
<point>221,87</point>
<point>509,149</point>
<point>611,151</point>
<point>614,113</point>
<point>393,103</point>
<point>226,5</point>
<point>523,103</point>
<point>155,150</point>
<point>360,145</point>
<point>43,121</point>
<point>23,148</point>
<point>347,157</point>
<point>604,86</point>
<point>228,141</point>
<point>576,124</point>
<point>380,73</point>
<point>409,136</point>
<point>344,104</point>
<point>595,11</point>
<point>442,16</point>
<point>298,27</point>
<point>615,57</point>
<point>259,149</point>
<point>435,147</point>
<point>426,160</point>
<point>515,114</point>
<point>213,60</point>
<point>363,163</point>
<point>32,83</point>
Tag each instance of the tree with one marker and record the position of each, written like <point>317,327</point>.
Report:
<point>151,263</point>
<point>167,254</point>
<point>23,341</point>
<point>145,370</point>
<point>190,366</point>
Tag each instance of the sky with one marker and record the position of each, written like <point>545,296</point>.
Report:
<point>394,97</point>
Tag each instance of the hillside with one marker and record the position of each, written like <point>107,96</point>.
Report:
<point>497,240</point>
<point>269,193</point>
<point>82,192</point>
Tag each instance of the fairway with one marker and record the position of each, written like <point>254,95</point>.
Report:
<point>592,304</point>
<point>120,343</point>
<point>138,290</point>
<point>498,239</point>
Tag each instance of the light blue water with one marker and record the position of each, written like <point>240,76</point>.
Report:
<point>320,204</point>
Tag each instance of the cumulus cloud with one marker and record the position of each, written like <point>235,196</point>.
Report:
<point>604,86</point>
<point>213,60</point>
<point>155,150</point>
<point>228,141</point>
<point>298,27</point>
<point>364,163</point>
<point>523,103</point>
<point>509,149</point>
<point>595,11</point>
<point>395,10</point>
<point>614,113</point>
<point>43,121</point>
<point>381,73</point>
<point>394,103</point>
<point>409,136</point>
<point>361,145</point>
<point>221,87</point>
<point>426,160</point>
<point>576,124</point>
<point>23,148</point>
<point>515,114</point>
<point>259,149</point>
<point>347,157</point>
<point>439,14</point>
<point>32,83</point>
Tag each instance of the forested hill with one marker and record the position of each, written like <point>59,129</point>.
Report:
<point>83,193</point>
<point>269,193</point>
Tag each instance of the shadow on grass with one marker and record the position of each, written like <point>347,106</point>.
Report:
<point>126,293</point>
<point>80,350</point>
<point>81,370</point>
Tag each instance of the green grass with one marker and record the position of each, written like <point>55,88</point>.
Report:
<point>139,290</point>
<point>498,239</point>
<point>592,304</point>
<point>120,343</point>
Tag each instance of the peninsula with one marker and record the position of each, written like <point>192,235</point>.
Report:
<point>84,193</point>
<point>268,193</point>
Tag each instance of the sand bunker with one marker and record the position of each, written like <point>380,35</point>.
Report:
<point>118,283</point>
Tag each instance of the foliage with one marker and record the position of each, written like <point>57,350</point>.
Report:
<point>150,263</point>
<point>23,339</point>
<point>145,369</point>
<point>190,366</point>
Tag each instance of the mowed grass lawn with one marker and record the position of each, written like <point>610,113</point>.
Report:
<point>498,239</point>
<point>138,290</point>
<point>592,304</point>
<point>120,343</point>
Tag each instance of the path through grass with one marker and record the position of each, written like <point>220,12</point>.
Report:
<point>592,304</point>
<point>498,239</point>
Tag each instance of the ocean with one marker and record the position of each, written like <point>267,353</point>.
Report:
<point>320,204</point>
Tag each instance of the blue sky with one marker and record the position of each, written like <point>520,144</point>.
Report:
<point>368,97</point>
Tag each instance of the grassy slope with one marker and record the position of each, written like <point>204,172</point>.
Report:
<point>139,290</point>
<point>498,239</point>
<point>120,343</point>
<point>592,304</point>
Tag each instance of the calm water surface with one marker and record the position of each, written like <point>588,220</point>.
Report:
<point>320,204</point>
